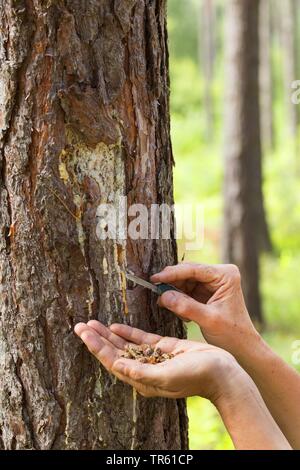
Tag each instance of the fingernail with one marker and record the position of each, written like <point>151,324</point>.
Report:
<point>155,277</point>
<point>77,327</point>
<point>169,298</point>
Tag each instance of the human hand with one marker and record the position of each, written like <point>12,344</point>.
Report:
<point>196,368</point>
<point>212,298</point>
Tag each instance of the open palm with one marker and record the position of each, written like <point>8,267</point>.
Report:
<point>195,369</point>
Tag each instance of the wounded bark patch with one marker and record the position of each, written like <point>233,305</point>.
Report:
<point>94,176</point>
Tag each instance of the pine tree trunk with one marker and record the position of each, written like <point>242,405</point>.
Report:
<point>265,74</point>
<point>206,59</point>
<point>244,222</point>
<point>84,119</point>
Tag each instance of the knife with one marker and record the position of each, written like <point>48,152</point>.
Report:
<point>158,289</point>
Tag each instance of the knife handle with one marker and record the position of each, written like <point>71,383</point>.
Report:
<point>165,287</point>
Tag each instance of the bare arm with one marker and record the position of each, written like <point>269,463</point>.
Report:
<point>195,369</point>
<point>278,383</point>
<point>249,422</point>
<point>215,301</point>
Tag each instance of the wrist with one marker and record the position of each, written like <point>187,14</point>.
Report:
<point>245,342</point>
<point>246,417</point>
<point>228,379</point>
<point>235,388</point>
<point>249,349</point>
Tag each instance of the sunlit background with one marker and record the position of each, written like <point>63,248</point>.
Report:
<point>198,175</point>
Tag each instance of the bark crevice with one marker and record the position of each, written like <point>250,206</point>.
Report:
<point>93,275</point>
<point>60,401</point>
<point>25,408</point>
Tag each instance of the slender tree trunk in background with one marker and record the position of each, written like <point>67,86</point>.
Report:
<point>206,59</point>
<point>288,10</point>
<point>265,74</point>
<point>84,119</point>
<point>244,220</point>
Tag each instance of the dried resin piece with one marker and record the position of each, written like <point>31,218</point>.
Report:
<point>146,354</point>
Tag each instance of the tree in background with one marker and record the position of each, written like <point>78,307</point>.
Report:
<point>245,227</point>
<point>265,73</point>
<point>206,38</point>
<point>288,14</point>
<point>84,120</point>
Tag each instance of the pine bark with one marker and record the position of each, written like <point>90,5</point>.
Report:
<point>84,119</point>
<point>245,228</point>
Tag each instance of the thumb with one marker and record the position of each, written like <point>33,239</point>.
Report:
<point>184,306</point>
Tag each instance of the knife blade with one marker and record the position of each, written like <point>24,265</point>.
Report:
<point>158,289</point>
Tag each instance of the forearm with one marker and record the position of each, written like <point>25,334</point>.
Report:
<point>248,420</point>
<point>277,382</point>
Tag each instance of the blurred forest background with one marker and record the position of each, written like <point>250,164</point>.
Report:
<point>222,140</point>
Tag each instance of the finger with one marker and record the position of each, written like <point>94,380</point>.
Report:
<point>79,327</point>
<point>134,334</point>
<point>181,285</point>
<point>168,344</point>
<point>161,304</point>
<point>146,374</point>
<point>185,271</point>
<point>185,307</point>
<point>107,333</point>
<point>146,390</point>
<point>105,352</point>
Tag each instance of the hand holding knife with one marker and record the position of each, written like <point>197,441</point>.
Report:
<point>158,289</point>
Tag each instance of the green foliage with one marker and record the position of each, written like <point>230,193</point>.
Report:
<point>198,179</point>
<point>186,77</point>
<point>205,427</point>
<point>182,28</point>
